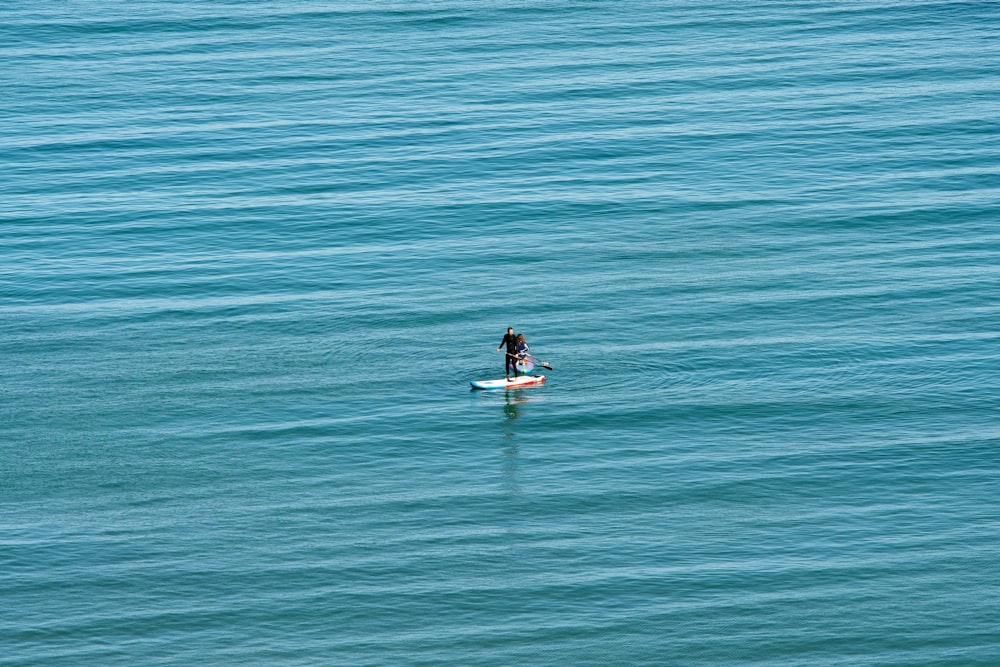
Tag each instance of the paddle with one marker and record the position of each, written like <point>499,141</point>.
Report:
<point>543,364</point>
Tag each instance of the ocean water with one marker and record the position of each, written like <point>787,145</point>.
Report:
<point>251,255</point>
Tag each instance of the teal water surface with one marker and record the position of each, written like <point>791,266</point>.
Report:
<point>251,255</point>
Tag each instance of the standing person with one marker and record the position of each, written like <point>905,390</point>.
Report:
<point>510,358</point>
<point>521,351</point>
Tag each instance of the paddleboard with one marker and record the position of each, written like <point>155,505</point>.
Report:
<point>502,383</point>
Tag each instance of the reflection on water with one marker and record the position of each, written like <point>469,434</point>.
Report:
<point>510,483</point>
<point>514,399</point>
<point>511,404</point>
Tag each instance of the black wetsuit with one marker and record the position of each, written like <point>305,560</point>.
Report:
<point>510,358</point>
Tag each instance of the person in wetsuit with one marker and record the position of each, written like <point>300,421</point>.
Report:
<point>522,350</point>
<point>510,358</point>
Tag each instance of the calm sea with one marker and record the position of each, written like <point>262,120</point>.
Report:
<point>252,253</point>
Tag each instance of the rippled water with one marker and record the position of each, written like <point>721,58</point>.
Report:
<point>251,255</point>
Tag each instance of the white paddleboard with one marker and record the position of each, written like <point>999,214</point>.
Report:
<point>502,383</point>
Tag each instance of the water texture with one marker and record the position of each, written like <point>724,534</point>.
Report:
<point>251,254</point>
